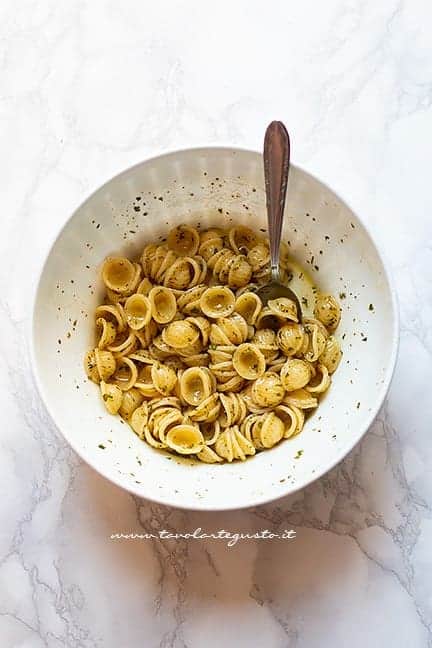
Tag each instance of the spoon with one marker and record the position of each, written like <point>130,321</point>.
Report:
<point>276,168</point>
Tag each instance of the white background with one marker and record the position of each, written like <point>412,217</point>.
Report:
<point>89,88</point>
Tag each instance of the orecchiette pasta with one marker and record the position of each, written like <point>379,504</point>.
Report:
<point>118,274</point>
<point>184,240</point>
<point>218,301</point>
<point>295,374</point>
<point>327,311</point>
<point>331,355</point>
<point>185,439</point>
<point>130,401</point>
<point>163,304</point>
<point>189,356</point>
<point>112,396</point>
<point>249,362</point>
<point>284,308</point>
<point>249,306</point>
<point>138,311</point>
<point>268,391</point>
<point>108,332</point>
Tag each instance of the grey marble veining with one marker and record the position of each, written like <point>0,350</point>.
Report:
<point>88,89</point>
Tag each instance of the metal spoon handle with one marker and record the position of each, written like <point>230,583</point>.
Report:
<point>276,168</point>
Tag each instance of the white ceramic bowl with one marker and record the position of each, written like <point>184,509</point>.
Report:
<point>212,186</point>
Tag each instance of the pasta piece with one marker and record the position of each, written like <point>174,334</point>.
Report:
<point>259,257</point>
<point>90,366</point>
<point>185,439</point>
<point>212,233</point>
<point>163,377</point>
<point>203,325</point>
<point>175,363</point>
<point>263,430</point>
<point>332,354</point>
<point>290,338</point>
<point>230,268</point>
<point>268,319</point>
<point>163,304</point>
<point>189,301</point>
<point>207,410</point>
<point>210,431</point>
<point>144,382</point>
<point>234,384</point>
<point>180,334</point>
<point>265,340</point>
<point>147,257</point>
<point>100,365</point>
<point>144,287</point>
<point>107,332</point>
<point>321,381</point>
<point>138,311</point>
<point>217,301</point>
<point>112,397</point>
<point>184,240</point>
<point>268,390</point>
<point>126,374</point>
<point>249,306</point>
<point>217,261</point>
<point>300,398</point>
<point>146,334</point>
<point>223,371</point>
<point>198,360</point>
<point>284,308</point>
<point>131,400</point>
<point>168,401</point>
<point>136,280</point>
<point>327,311</point>
<point>229,330</point>
<point>295,374</point>
<point>317,341</point>
<point>159,350</point>
<point>242,239</point>
<point>123,344</point>
<point>293,419</point>
<point>201,276</point>
<point>275,365</point>
<point>116,298</point>
<point>162,264</point>
<point>311,321</point>
<point>268,431</point>
<point>221,353</point>
<point>113,313</point>
<point>233,409</point>
<point>249,362</point>
<point>191,350</point>
<point>195,385</point>
<point>232,444</point>
<point>161,420</point>
<point>210,247</point>
<point>239,273</point>
<point>207,455</point>
<point>184,272</point>
<point>118,274</point>
<point>139,419</point>
<point>155,261</point>
<point>142,355</point>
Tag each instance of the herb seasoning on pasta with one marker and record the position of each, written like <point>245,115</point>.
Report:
<point>187,354</point>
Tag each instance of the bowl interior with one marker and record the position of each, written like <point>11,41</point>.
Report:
<point>212,186</point>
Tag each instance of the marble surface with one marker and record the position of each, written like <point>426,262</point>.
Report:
<point>89,88</point>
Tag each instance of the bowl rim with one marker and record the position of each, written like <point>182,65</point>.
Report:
<point>258,500</point>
